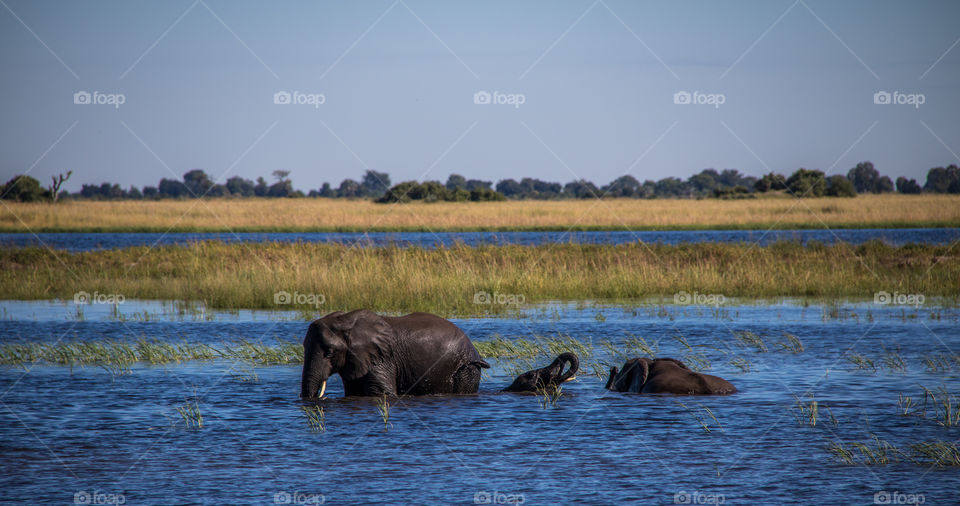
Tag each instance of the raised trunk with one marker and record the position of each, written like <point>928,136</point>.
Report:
<point>574,366</point>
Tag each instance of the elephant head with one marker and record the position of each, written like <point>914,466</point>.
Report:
<point>550,376</point>
<point>631,379</point>
<point>345,344</point>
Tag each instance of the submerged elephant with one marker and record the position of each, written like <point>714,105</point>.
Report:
<point>550,376</point>
<point>416,354</point>
<point>665,376</point>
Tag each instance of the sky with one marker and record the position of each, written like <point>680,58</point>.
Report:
<point>134,91</point>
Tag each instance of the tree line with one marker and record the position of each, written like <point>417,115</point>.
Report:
<point>708,183</point>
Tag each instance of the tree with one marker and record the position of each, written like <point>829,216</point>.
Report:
<point>704,182</point>
<point>943,180</point>
<point>510,188</point>
<point>237,185</point>
<point>486,195</point>
<point>172,189</point>
<point>840,186</point>
<point>671,187</point>
<point>23,188</point>
<point>348,188</point>
<point>261,189</point>
<point>456,181</point>
<point>581,189</point>
<point>197,182</point>
<point>771,182</point>
<point>908,186</point>
<point>623,186</point>
<point>374,184</point>
<point>884,185</point>
<point>58,180</point>
<point>150,192</point>
<point>864,177</point>
<point>281,175</point>
<point>807,183</point>
<point>476,184</point>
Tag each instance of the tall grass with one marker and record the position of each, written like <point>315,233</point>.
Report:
<point>880,452</point>
<point>116,355</point>
<point>348,215</point>
<point>447,280</point>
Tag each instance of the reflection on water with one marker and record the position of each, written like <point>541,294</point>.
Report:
<point>87,242</point>
<point>89,430</point>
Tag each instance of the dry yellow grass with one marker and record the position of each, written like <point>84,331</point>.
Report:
<point>325,214</point>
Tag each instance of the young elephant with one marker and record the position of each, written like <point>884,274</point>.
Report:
<point>665,376</point>
<point>549,376</point>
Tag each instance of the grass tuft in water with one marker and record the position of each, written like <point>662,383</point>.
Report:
<point>698,414</point>
<point>862,362</point>
<point>383,407</point>
<point>549,396</point>
<point>190,415</point>
<point>315,418</point>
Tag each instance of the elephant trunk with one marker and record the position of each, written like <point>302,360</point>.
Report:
<point>574,366</point>
<point>613,375</point>
<point>314,378</point>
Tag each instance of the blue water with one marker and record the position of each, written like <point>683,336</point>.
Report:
<point>86,242</point>
<point>65,433</point>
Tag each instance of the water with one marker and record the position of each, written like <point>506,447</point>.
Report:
<point>86,242</point>
<point>67,433</point>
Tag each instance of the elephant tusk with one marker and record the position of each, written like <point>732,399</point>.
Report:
<point>323,388</point>
<point>571,378</point>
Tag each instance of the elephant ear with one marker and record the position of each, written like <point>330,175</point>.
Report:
<point>368,338</point>
<point>641,374</point>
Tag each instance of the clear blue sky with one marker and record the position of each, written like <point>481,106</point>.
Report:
<point>598,81</point>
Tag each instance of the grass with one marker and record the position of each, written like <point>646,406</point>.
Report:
<point>446,280</point>
<point>299,215</point>
<point>120,355</point>
<point>808,413</point>
<point>383,407</point>
<point>190,415</point>
<point>879,452</point>
<point>315,418</point>
<point>549,396</point>
<point>701,419</point>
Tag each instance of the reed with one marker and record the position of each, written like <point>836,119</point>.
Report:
<point>315,418</point>
<point>190,415</point>
<point>462,280</point>
<point>383,407</point>
<point>549,396</point>
<point>937,453</point>
<point>121,355</point>
<point>260,215</point>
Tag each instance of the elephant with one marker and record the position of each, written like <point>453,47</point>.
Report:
<point>550,376</point>
<point>665,376</point>
<point>416,354</point>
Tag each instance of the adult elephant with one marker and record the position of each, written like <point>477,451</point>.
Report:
<point>550,376</point>
<point>665,376</point>
<point>416,354</point>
